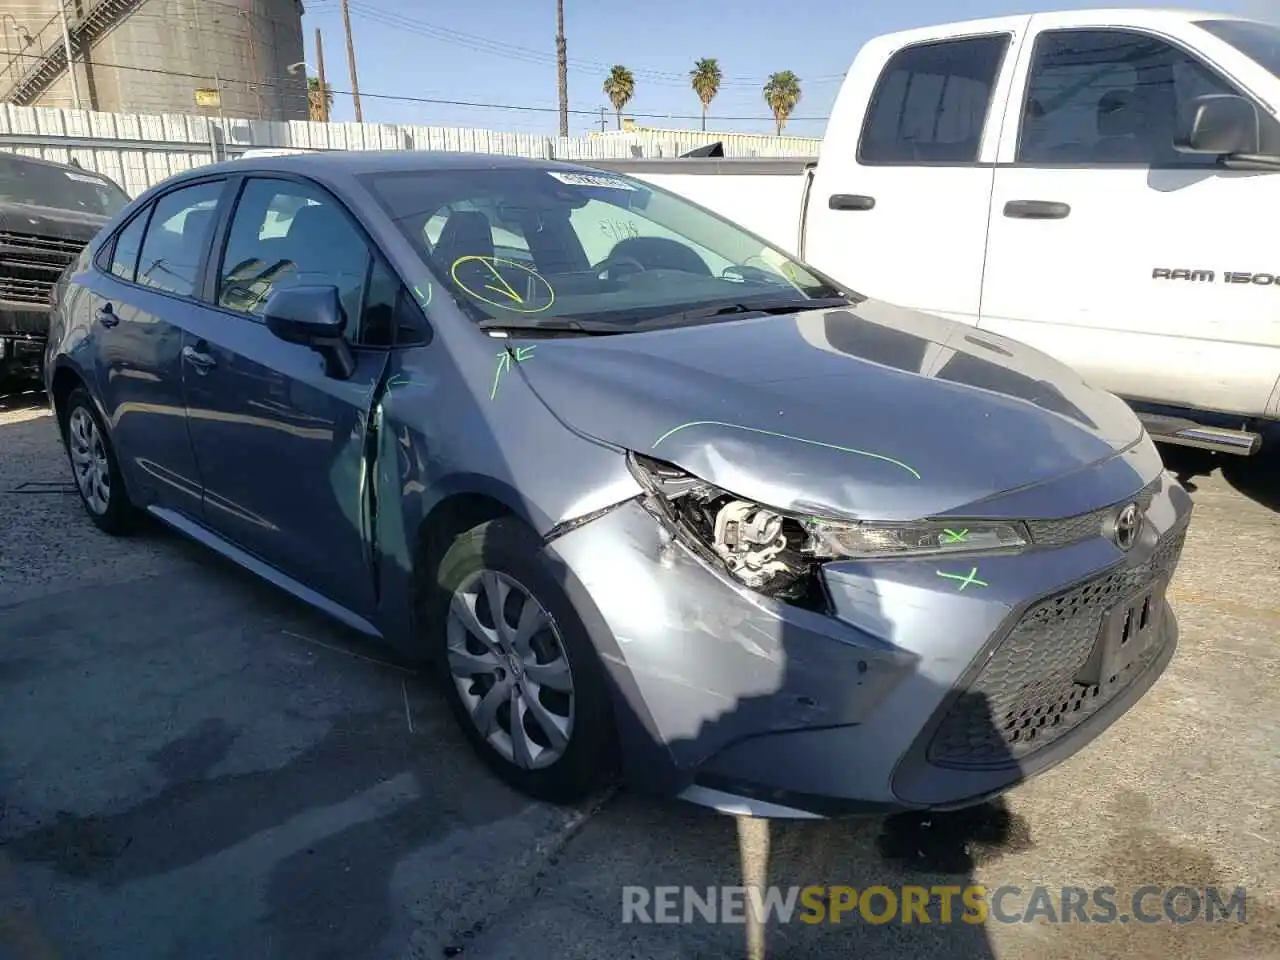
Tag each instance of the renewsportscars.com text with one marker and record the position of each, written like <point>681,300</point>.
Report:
<point>937,904</point>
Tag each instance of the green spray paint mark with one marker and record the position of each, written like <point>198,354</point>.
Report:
<point>955,536</point>
<point>505,357</point>
<point>400,380</point>
<point>964,579</point>
<point>425,297</point>
<point>787,436</point>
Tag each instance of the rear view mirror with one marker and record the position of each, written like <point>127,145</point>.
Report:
<point>312,316</point>
<point>1221,125</point>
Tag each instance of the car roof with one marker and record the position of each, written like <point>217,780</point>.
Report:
<point>358,162</point>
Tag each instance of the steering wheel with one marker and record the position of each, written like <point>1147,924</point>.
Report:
<point>622,263</point>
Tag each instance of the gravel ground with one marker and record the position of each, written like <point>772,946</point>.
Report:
<point>192,765</point>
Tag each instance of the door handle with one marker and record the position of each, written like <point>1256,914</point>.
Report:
<point>106,315</point>
<point>1036,209</point>
<point>850,201</point>
<point>203,362</point>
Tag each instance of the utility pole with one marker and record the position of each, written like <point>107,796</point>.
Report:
<point>351,60</point>
<point>603,122</point>
<point>71,64</point>
<point>562,67</point>
<point>324,87</point>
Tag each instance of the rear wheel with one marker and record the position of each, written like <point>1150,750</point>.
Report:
<point>95,467</point>
<point>517,665</point>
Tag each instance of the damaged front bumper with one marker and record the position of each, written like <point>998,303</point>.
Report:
<point>929,684</point>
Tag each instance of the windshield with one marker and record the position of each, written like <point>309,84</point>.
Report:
<point>24,181</point>
<point>1257,41</point>
<point>530,246</point>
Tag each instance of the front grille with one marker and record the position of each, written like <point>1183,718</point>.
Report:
<point>1059,533</point>
<point>1026,695</point>
<point>30,265</point>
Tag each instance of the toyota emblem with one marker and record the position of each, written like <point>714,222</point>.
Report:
<point>1127,524</point>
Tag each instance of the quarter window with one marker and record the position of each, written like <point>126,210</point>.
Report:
<point>284,234</point>
<point>1103,97</point>
<point>931,102</point>
<point>124,255</point>
<point>177,237</point>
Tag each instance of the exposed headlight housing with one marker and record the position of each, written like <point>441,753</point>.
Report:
<point>778,553</point>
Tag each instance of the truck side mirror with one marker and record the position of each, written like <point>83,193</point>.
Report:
<point>1221,125</point>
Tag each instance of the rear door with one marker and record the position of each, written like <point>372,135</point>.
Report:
<point>142,292</point>
<point>281,445</point>
<point>1142,267</point>
<point>899,203</point>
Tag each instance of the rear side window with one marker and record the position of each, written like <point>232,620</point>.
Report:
<point>931,102</point>
<point>177,237</point>
<point>124,257</point>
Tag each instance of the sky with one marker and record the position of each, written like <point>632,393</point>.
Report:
<point>502,52</point>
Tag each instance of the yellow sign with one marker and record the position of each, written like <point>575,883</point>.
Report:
<point>205,97</point>
<point>495,276</point>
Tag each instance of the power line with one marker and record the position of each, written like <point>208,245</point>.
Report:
<point>528,55</point>
<point>299,87</point>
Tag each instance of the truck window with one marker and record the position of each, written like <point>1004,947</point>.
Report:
<point>1102,97</point>
<point>931,102</point>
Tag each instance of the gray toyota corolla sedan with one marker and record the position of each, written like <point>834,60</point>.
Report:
<point>652,494</point>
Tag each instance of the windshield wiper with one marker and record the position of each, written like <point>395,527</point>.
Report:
<point>765,307</point>
<point>551,325</point>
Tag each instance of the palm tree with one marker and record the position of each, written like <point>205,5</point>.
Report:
<point>782,93</point>
<point>706,77</point>
<point>318,107</point>
<point>619,87</point>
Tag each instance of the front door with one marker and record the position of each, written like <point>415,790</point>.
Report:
<point>140,295</point>
<point>898,206</point>
<point>1114,252</point>
<point>280,444</point>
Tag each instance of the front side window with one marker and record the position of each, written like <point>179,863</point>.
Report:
<point>931,102</point>
<point>1103,97</point>
<point>285,233</point>
<point>523,245</point>
<point>1259,42</point>
<point>177,237</point>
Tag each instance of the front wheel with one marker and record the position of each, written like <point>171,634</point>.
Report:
<point>95,467</point>
<point>518,668</point>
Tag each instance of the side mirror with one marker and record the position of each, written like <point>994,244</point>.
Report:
<point>312,316</point>
<point>1221,125</point>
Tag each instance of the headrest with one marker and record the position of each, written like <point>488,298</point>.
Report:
<point>196,225</point>
<point>1118,114</point>
<point>467,233</point>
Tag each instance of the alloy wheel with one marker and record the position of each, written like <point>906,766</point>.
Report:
<point>507,659</point>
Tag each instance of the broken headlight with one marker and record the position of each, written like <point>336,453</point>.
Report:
<point>778,552</point>
<point>845,540</point>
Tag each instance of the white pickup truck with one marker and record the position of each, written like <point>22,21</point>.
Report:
<point>1093,183</point>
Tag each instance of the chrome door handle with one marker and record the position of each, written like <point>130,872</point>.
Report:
<point>106,315</point>
<point>203,362</point>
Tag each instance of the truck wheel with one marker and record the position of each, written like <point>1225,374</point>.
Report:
<point>95,467</point>
<point>517,665</point>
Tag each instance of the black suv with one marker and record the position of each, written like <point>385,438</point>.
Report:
<point>48,212</point>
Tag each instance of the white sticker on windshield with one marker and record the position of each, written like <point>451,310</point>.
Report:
<point>591,180</point>
<point>83,179</point>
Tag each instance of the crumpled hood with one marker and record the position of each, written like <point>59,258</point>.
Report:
<point>866,412</point>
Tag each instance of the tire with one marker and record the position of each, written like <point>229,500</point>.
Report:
<point>94,467</point>
<point>507,555</point>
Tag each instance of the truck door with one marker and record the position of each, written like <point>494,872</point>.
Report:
<point>898,208</point>
<point>1143,267</point>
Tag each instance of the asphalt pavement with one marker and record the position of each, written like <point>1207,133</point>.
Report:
<point>193,765</point>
